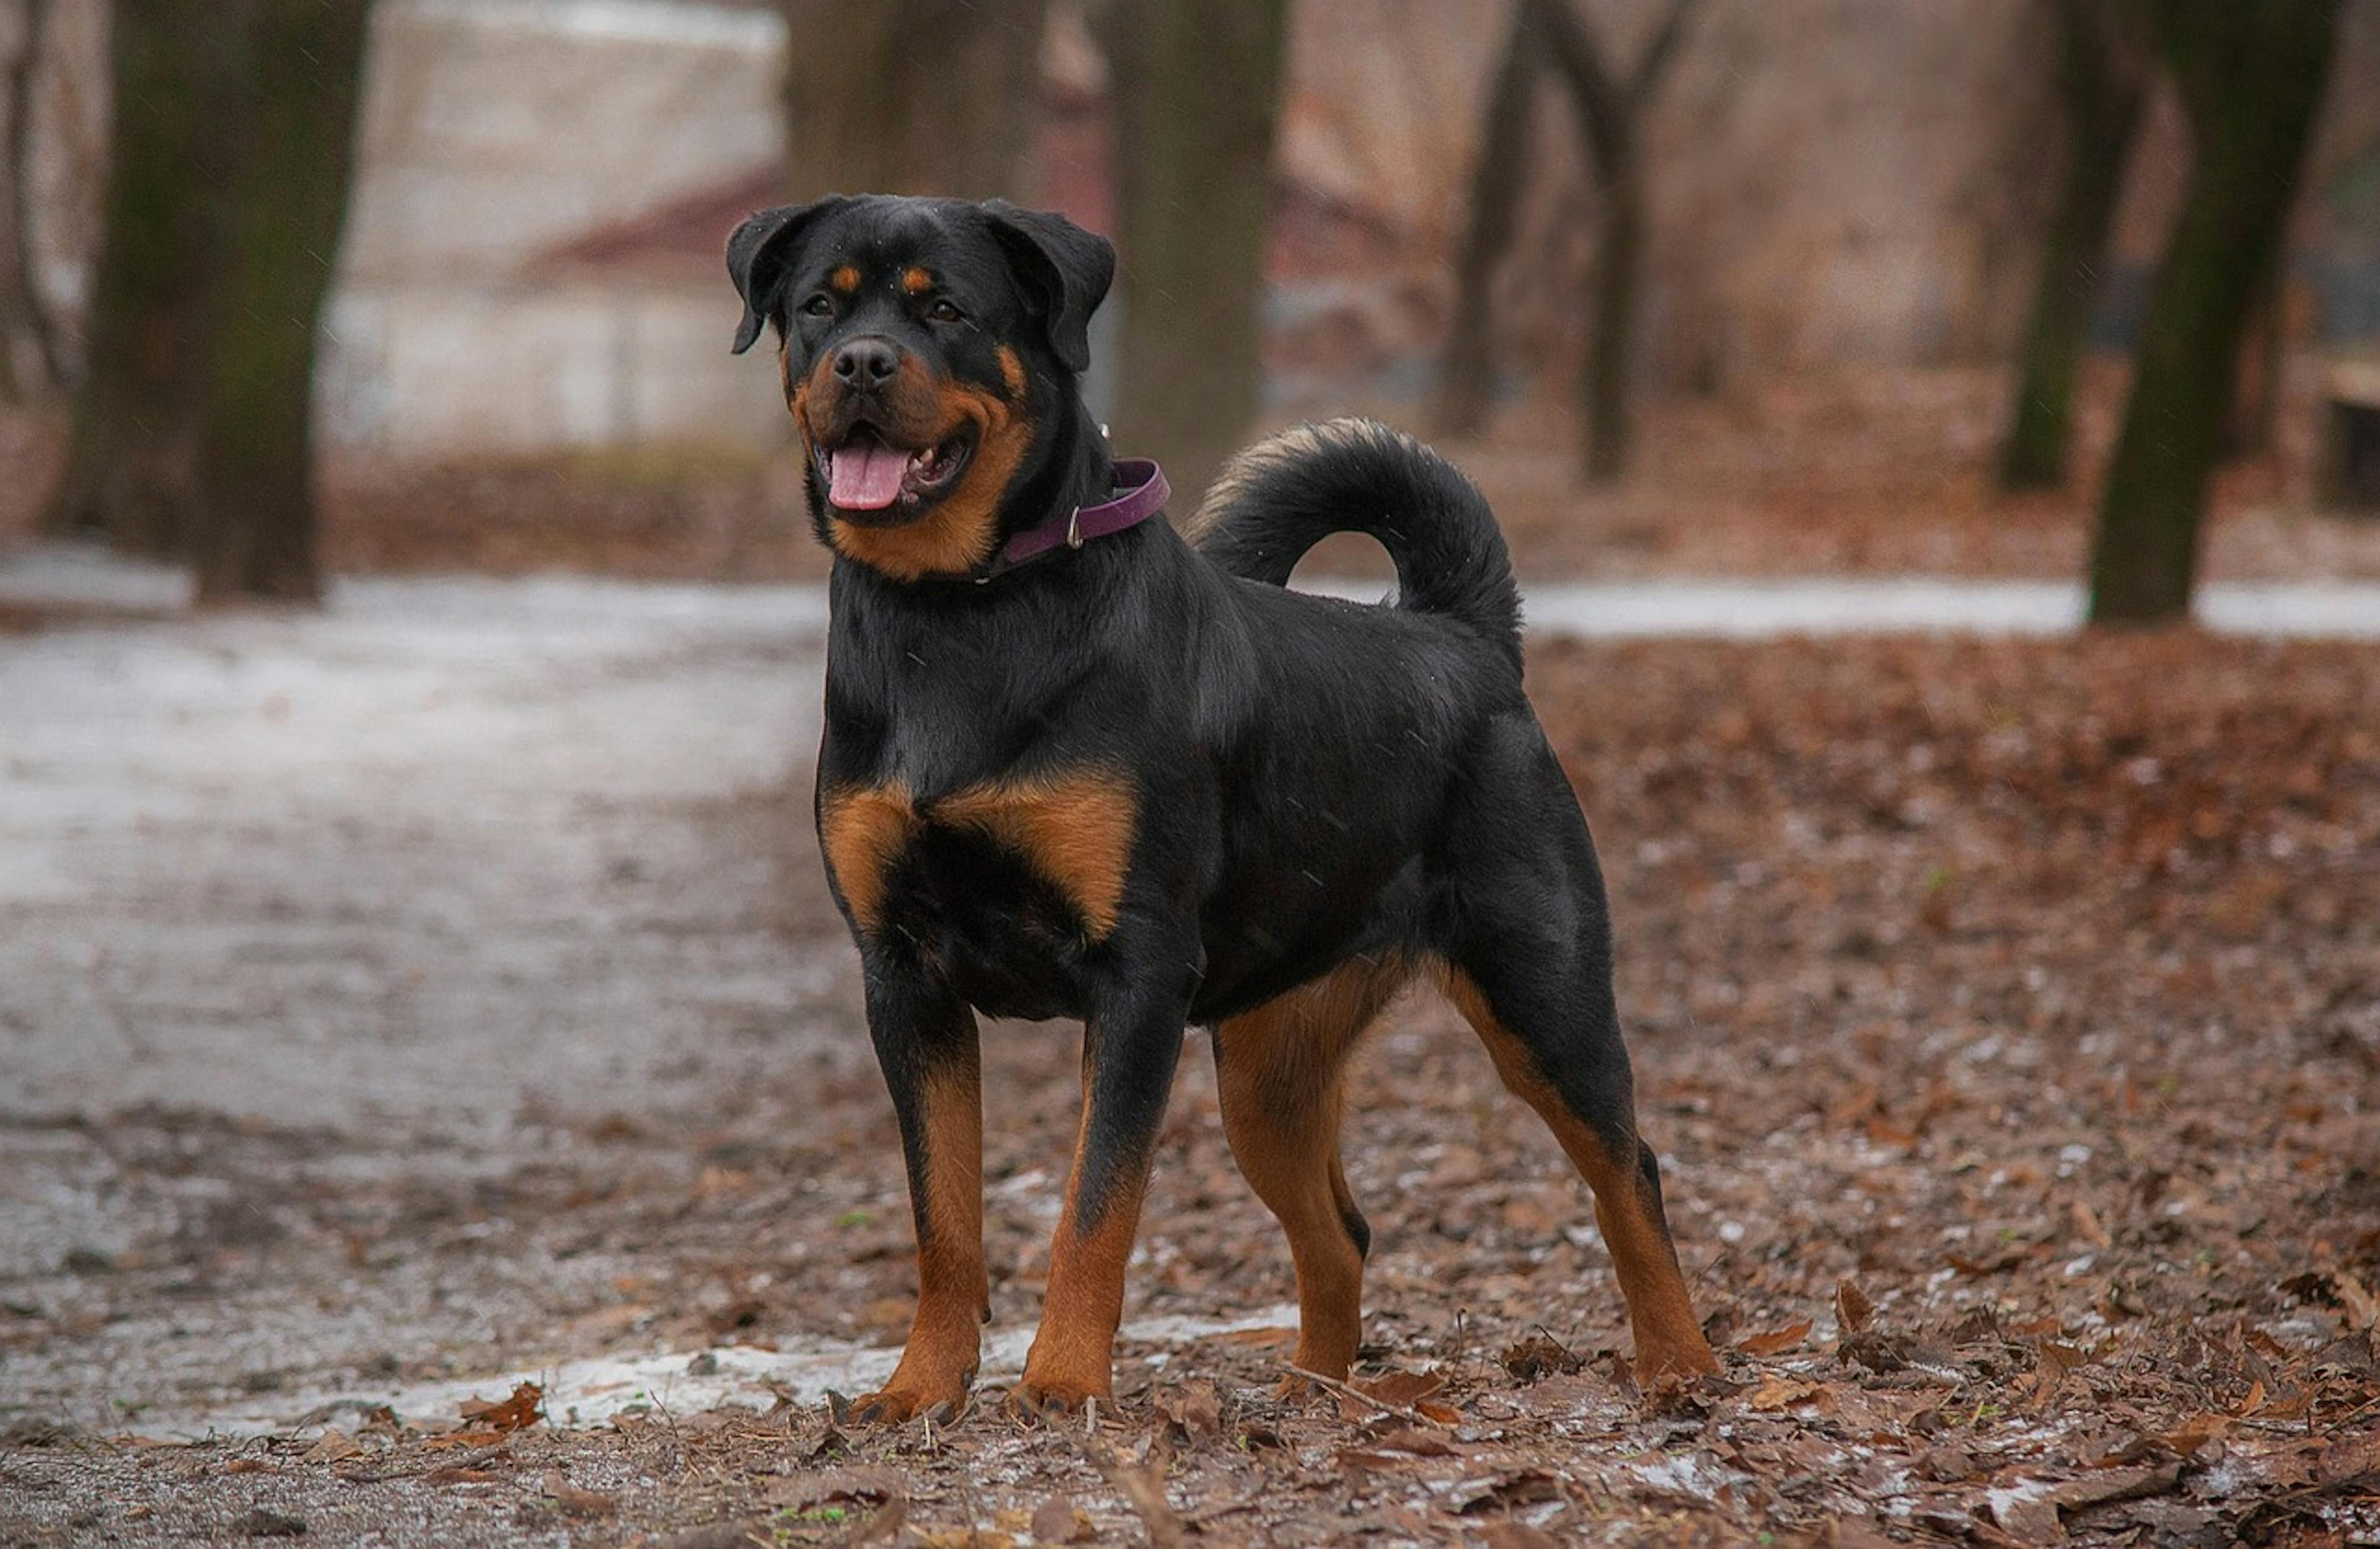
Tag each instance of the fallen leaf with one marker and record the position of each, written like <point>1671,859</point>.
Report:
<point>2191,1435</point>
<point>1396,1390</point>
<point>1060,1521</point>
<point>2029,1508</point>
<point>1776,1341</point>
<point>1269,1334</point>
<point>1194,1409</point>
<point>1502,1491</point>
<point>2362,1308</point>
<point>261,1523</point>
<point>1852,1307</point>
<point>854,1486</point>
<point>331,1446</point>
<point>1777,1392</point>
<point>1420,1443</point>
<point>2355,1459</point>
<point>462,1440</point>
<point>963,1537</point>
<point>524,1408</point>
<point>1373,1460</point>
<point>571,1500</point>
<point>1539,1356</point>
<point>1402,1388</point>
<point>1852,1533</point>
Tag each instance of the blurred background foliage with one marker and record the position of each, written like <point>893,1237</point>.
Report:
<point>2139,240</point>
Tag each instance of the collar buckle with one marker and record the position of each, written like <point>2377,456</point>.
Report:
<point>1074,528</point>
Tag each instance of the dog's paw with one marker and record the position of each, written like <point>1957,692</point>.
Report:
<point>1297,1388</point>
<point>1681,1362</point>
<point>897,1404</point>
<point>1038,1399</point>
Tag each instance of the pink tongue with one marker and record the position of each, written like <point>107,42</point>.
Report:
<point>867,477</point>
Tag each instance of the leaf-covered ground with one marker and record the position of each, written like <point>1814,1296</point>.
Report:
<point>1851,471</point>
<point>2008,1014</point>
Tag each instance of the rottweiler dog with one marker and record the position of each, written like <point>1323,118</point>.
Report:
<point>1078,765</point>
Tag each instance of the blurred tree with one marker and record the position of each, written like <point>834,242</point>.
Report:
<point>231,146</point>
<point>1197,95</point>
<point>912,97</point>
<point>22,315</point>
<point>2104,73</point>
<point>2251,79</point>
<point>2264,356</point>
<point>1610,112</point>
<point>1468,378</point>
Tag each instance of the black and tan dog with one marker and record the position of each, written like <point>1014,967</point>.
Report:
<point>1075,766</point>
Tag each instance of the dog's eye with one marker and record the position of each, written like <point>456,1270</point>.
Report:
<point>942,311</point>
<point>819,305</point>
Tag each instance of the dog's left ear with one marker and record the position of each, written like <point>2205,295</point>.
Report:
<point>759,254</point>
<point>1066,269</point>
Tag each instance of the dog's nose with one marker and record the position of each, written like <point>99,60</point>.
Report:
<point>868,362</point>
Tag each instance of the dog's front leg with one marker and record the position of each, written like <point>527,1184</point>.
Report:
<point>1131,1044</point>
<point>925,1041</point>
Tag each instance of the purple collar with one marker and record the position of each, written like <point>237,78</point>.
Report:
<point>1142,494</point>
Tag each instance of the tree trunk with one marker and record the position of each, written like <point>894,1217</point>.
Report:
<point>2251,79</point>
<point>283,204</point>
<point>1619,259</point>
<point>1609,112</point>
<point>1469,377</point>
<point>2264,356</point>
<point>2104,78</point>
<point>912,97</point>
<point>231,149</point>
<point>22,315</point>
<point>1197,102</point>
<point>130,469</point>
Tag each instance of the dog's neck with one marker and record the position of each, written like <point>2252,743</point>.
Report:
<point>1079,470</point>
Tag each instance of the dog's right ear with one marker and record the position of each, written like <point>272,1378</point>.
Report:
<point>759,254</point>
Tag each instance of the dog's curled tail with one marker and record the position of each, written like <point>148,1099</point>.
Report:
<point>1279,497</point>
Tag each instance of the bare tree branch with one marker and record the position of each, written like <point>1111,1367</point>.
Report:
<point>1659,52</point>
<point>1579,60</point>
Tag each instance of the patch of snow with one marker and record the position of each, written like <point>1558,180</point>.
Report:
<point>286,818</point>
<point>591,1392</point>
<point>644,22</point>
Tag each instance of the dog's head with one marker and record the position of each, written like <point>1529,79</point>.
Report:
<point>928,346</point>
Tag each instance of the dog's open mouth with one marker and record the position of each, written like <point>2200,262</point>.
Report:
<point>868,473</point>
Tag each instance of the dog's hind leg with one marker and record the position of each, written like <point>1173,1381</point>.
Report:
<point>1278,1071</point>
<point>1531,970</point>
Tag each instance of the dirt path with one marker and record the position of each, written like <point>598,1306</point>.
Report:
<point>408,895</point>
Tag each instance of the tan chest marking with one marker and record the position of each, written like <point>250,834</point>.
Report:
<point>863,830</point>
<point>1074,830</point>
